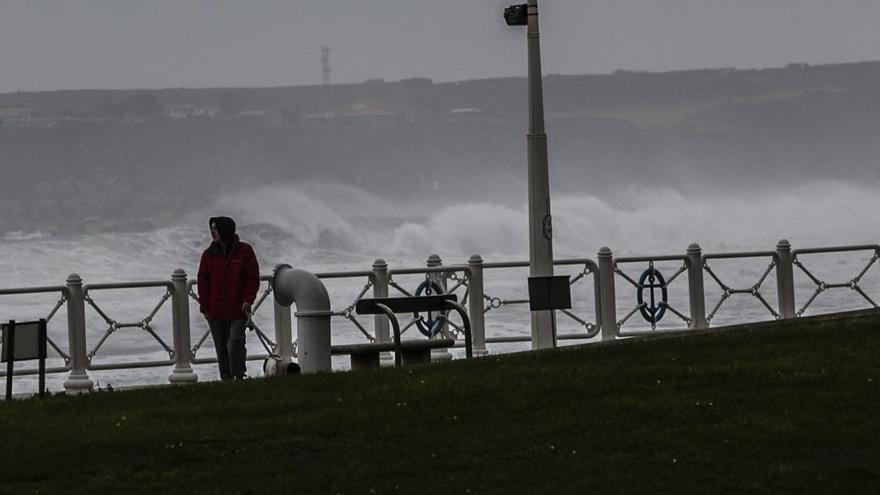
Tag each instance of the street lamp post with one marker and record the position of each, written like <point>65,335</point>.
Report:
<point>540,224</point>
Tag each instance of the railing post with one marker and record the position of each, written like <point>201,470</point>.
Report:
<point>440,279</point>
<point>78,381</point>
<point>695,287</point>
<point>785,279</point>
<point>381,330</point>
<point>475,305</point>
<point>182,372</point>
<point>608,294</point>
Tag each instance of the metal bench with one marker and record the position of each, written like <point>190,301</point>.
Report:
<point>407,351</point>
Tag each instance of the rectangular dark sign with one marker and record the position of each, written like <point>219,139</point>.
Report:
<point>547,293</point>
<point>23,341</point>
<point>27,342</point>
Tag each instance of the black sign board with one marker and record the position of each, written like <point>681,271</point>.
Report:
<point>27,342</point>
<point>548,293</point>
<point>24,341</point>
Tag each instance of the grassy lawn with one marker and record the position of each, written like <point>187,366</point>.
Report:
<point>793,408</point>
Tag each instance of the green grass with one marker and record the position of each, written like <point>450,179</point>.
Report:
<point>792,408</point>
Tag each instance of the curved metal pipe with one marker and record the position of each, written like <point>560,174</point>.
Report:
<point>307,292</point>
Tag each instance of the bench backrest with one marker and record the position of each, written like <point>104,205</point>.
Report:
<point>413,304</point>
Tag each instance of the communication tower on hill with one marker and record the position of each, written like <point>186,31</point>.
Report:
<point>325,65</point>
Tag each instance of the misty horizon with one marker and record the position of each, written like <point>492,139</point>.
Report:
<point>404,79</point>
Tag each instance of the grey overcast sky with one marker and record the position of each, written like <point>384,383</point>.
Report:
<point>72,44</point>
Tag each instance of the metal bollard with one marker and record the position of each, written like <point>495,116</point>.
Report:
<point>78,381</point>
<point>475,305</point>
<point>785,279</point>
<point>182,372</point>
<point>381,330</point>
<point>608,295</point>
<point>696,289</point>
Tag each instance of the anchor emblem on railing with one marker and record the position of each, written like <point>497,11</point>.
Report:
<point>652,280</point>
<point>430,325</point>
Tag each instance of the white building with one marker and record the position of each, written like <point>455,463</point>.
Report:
<point>189,111</point>
<point>15,116</point>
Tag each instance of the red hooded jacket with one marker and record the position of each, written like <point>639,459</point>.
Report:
<point>226,282</point>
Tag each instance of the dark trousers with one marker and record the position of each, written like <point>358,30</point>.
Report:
<point>228,338</point>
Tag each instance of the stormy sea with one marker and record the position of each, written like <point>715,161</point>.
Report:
<point>327,228</point>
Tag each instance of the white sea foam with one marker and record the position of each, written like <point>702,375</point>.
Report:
<point>20,235</point>
<point>652,221</point>
<point>331,225</point>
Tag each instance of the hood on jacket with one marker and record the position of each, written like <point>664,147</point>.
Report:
<point>225,229</point>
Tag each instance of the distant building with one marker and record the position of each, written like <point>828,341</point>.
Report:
<point>189,111</point>
<point>15,116</point>
<point>459,111</point>
<point>465,114</point>
<point>357,113</point>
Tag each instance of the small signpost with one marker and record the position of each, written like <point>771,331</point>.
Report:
<point>21,342</point>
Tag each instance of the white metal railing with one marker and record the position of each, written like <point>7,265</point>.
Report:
<point>652,311</point>
<point>114,325</point>
<point>598,318</point>
<point>822,286</point>
<point>754,290</point>
<point>497,303</point>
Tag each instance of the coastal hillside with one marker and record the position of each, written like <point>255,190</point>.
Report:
<point>134,159</point>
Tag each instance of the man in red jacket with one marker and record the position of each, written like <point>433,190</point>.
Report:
<point>229,277</point>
